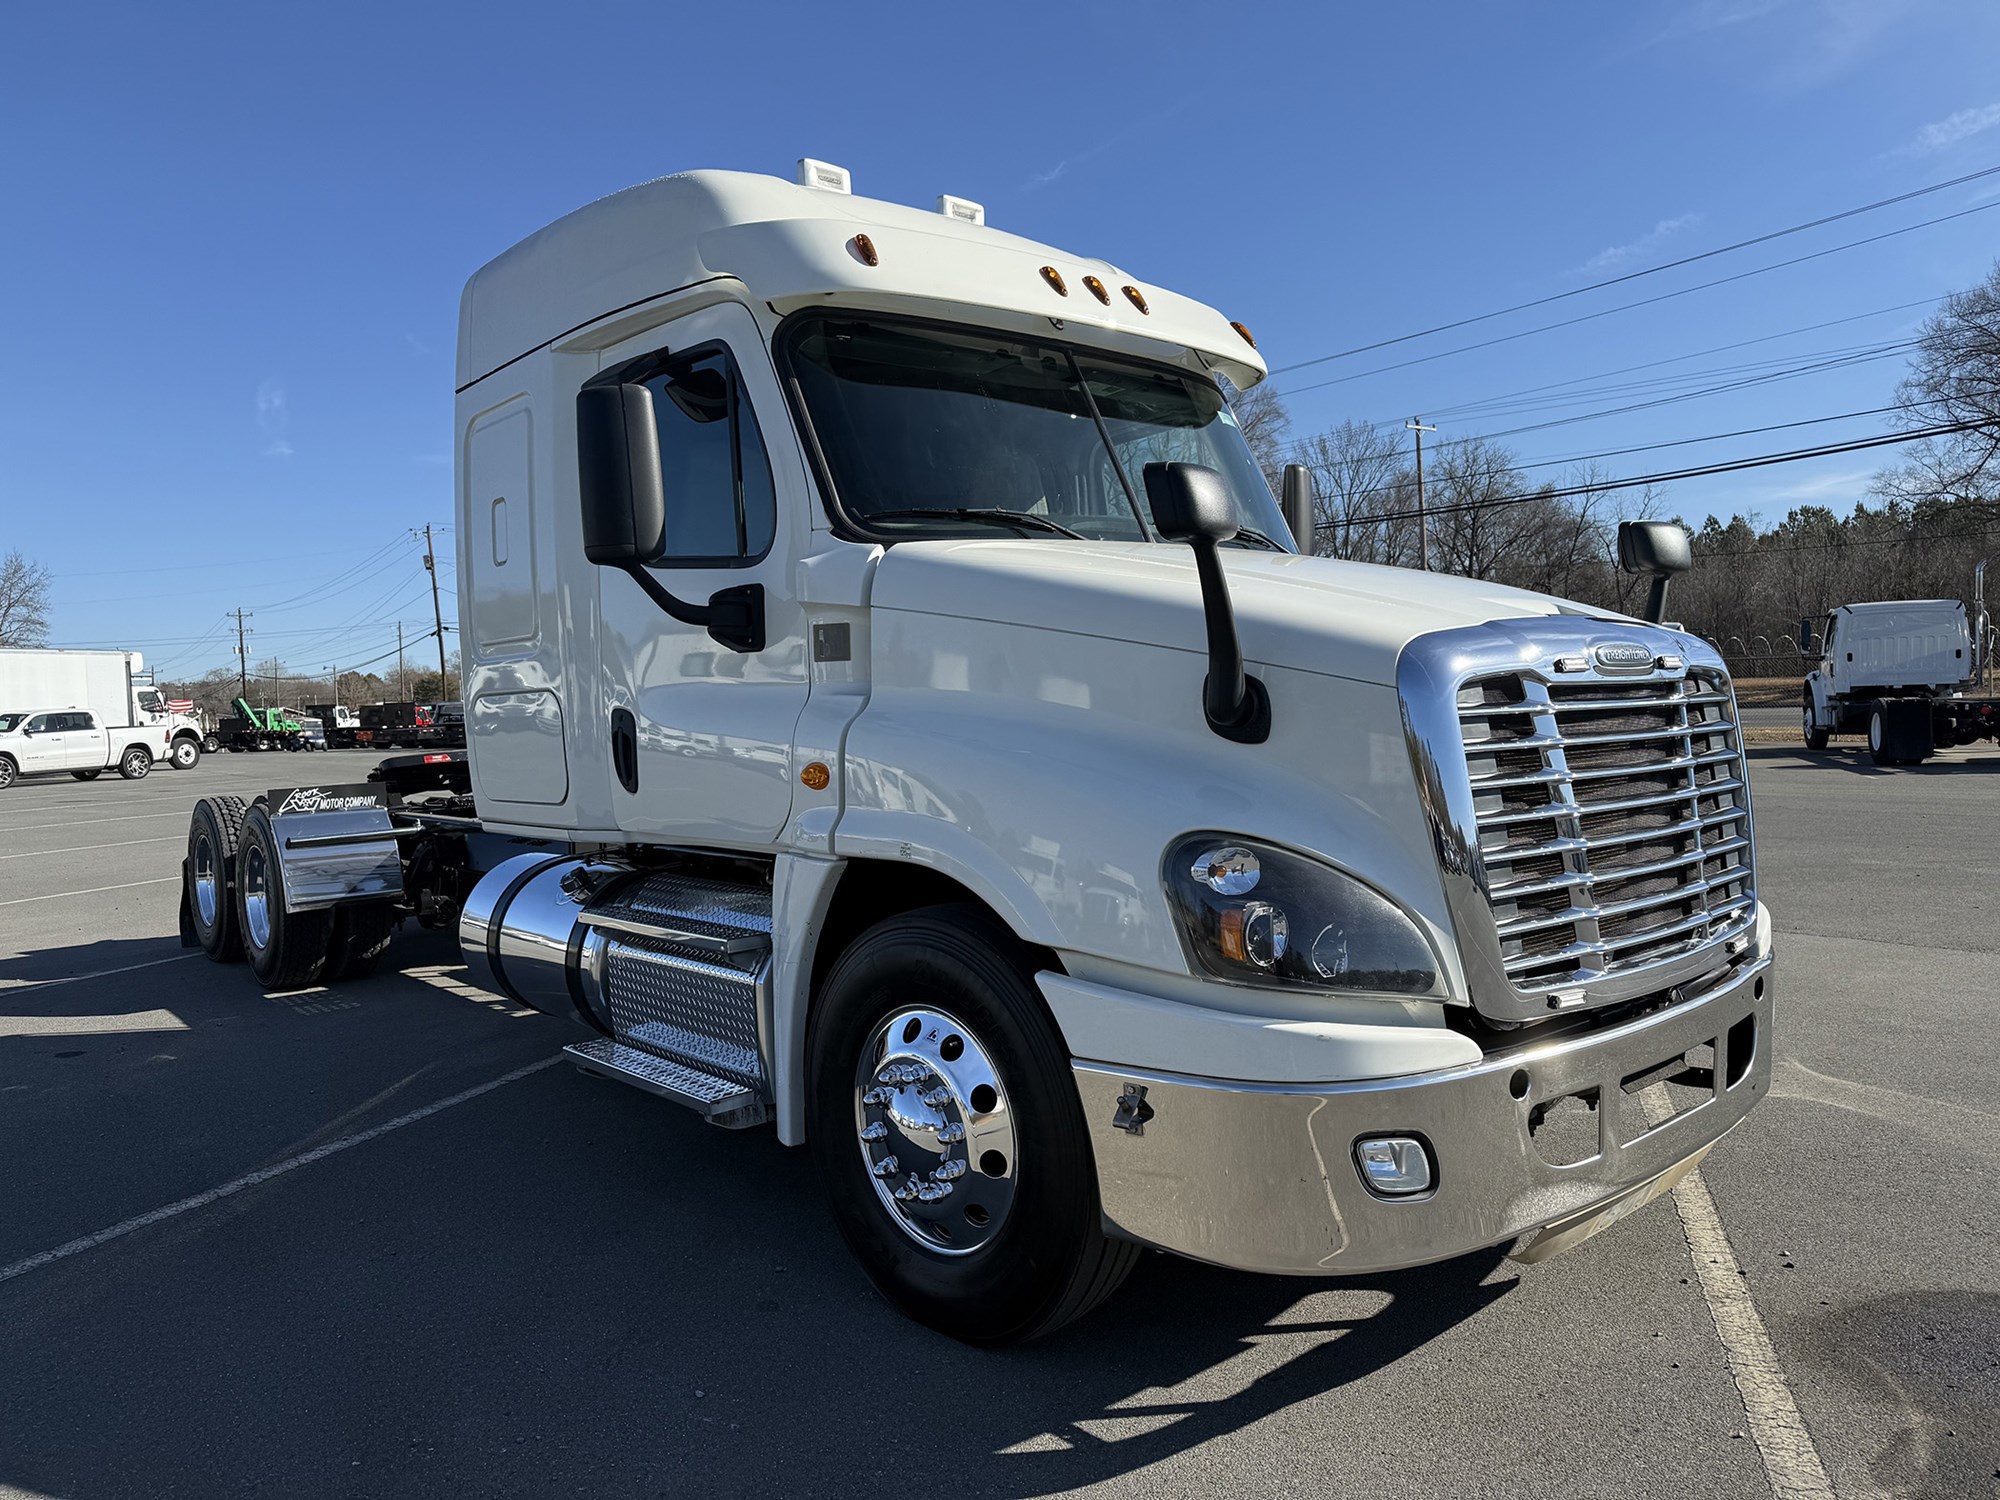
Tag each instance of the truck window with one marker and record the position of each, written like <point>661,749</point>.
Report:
<point>76,721</point>
<point>721,504</point>
<point>44,723</point>
<point>918,417</point>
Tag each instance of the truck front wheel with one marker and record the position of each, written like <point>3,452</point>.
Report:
<point>287,949</point>
<point>185,753</point>
<point>1878,735</point>
<point>1817,734</point>
<point>136,764</point>
<point>946,1127</point>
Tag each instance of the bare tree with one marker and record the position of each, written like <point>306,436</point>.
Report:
<point>1358,473</point>
<point>1264,423</point>
<point>24,602</point>
<point>1955,377</point>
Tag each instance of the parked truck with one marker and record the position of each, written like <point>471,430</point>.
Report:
<point>79,741</point>
<point>899,716</point>
<point>261,729</point>
<point>116,687</point>
<point>1904,672</point>
<point>393,725</point>
<point>339,724</point>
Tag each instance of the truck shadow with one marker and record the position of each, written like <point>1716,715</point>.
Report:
<point>1853,759</point>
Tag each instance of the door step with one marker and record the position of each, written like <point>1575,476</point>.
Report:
<point>720,1101</point>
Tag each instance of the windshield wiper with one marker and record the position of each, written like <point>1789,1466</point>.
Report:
<point>1021,518</point>
<point>1245,534</point>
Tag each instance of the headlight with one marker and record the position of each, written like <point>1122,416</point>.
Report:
<point>1253,913</point>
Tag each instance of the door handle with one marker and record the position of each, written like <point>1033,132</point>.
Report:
<point>625,748</point>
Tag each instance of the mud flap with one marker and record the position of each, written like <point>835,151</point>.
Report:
<point>1565,1234</point>
<point>189,938</point>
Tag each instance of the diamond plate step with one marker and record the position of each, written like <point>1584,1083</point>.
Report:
<point>721,1101</point>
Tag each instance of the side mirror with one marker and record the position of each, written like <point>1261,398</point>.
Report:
<point>1192,504</point>
<point>1297,501</point>
<point>1658,549</point>
<point>618,476</point>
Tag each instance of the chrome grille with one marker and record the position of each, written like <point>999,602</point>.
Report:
<point>1613,824</point>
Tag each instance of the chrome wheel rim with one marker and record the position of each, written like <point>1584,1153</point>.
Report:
<point>206,884</point>
<point>256,897</point>
<point>184,753</point>
<point>936,1134</point>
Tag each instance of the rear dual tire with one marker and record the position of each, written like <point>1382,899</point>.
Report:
<point>214,834</point>
<point>287,950</point>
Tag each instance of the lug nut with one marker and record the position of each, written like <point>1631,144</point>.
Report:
<point>878,1096</point>
<point>949,1171</point>
<point>874,1132</point>
<point>886,1167</point>
<point>952,1134</point>
<point>937,1098</point>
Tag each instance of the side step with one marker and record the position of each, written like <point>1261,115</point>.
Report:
<point>720,1101</point>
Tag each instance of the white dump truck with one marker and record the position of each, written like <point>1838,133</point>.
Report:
<point>898,714</point>
<point>1904,672</point>
<point>115,686</point>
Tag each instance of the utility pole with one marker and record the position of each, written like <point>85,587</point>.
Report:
<point>437,612</point>
<point>1416,425</point>
<point>333,671</point>
<point>402,676</point>
<point>242,658</point>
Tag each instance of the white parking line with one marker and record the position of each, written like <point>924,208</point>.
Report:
<point>96,890</point>
<point>1791,1462</point>
<point>86,848</point>
<point>265,1174</point>
<point>88,822</point>
<point>13,986</point>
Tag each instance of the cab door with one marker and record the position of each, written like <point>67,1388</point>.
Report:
<point>44,746</point>
<point>700,735</point>
<point>86,744</point>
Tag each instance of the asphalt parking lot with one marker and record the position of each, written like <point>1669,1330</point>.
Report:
<point>555,1285</point>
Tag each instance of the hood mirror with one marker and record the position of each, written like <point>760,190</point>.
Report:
<point>1192,504</point>
<point>1658,549</point>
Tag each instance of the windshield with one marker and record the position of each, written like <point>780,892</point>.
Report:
<point>10,722</point>
<point>922,419</point>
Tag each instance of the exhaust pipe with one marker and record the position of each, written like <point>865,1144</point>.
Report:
<point>1980,627</point>
<point>523,937</point>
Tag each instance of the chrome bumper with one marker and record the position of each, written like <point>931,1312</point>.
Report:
<point>1263,1177</point>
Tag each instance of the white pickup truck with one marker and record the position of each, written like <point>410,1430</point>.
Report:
<point>78,741</point>
<point>898,714</point>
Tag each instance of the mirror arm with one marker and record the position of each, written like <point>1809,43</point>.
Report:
<point>1236,705</point>
<point>734,617</point>
<point>1656,600</point>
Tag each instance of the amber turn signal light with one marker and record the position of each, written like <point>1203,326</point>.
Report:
<point>1097,290</point>
<point>864,250</point>
<point>1137,298</point>
<point>816,775</point>
<point>1054,278</point>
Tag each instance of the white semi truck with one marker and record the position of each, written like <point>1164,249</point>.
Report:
<point>1904,672</point>
<point>898,714</point>
<point>115,686</point>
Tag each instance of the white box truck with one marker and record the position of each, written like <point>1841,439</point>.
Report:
<point>898,715</point>
<point>115,686</point>
<point>1899,671</point>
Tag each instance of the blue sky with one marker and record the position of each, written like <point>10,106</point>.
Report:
<point>233,238</point>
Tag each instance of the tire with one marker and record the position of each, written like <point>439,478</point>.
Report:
<point>210,744</point>
<point>185,754</point>
<point>287,949</point>
<point>91,775</point>
<point>215,831</point>
<point>1878,734</point>
<point>9,772</point>
<point>361,935</point>
<point>136,764</point>
<point>1013,1247</point>
<point>1816,733</point>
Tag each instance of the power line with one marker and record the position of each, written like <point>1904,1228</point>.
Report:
<point>1686,260</point>
<point>1730,466</point>
<point>1699,286</point>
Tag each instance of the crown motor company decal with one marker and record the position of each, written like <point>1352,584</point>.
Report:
<point>325,799</point>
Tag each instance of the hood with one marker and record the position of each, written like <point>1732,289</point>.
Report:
<point>1314,614</point>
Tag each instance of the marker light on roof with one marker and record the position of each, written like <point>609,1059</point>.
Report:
<point>864,250</point>
<point>1097,290</point>
<point>1054,278</point>
<point>962,209</point>
<point>823,175</point>
<point>1136,298</point>
<point>1247,337</point>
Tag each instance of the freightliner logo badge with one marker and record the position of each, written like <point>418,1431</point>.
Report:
<point>1623,656</point>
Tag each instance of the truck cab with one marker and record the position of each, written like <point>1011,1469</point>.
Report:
<point>898,714</point>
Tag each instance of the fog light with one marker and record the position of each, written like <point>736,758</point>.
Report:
<point>1394,1165</point>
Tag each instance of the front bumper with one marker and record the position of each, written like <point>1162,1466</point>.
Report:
<point>1262,1177</point>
